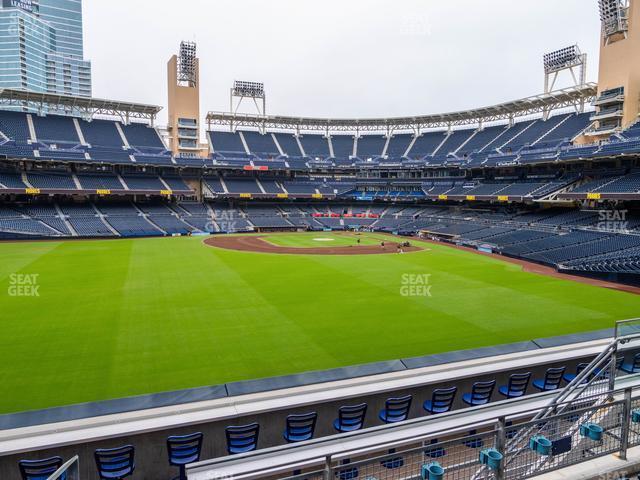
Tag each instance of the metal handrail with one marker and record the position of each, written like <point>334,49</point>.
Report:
<point>71,468</point>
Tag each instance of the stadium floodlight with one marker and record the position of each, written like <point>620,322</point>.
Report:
<point>614,16</point>
<point>568,58</point>
<point>248,89</point>
<point>253,90</point>
<point>560,59</point>
<point>187,64</point>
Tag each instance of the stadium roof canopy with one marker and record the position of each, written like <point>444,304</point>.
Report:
<point>88,106</point>
<point>568,97</point>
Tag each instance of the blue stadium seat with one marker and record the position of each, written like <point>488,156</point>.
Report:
<point>393,462</point>
<point>441,400</point>
<point>396,409</point>
<point>184,449</point>
<point>350,418</point>
<point>551,380</point>
<point>633,366</point>
<point>517,387</point>
<point>480,393</point>
<point>40,469</point>
<point>570,377</point>
<point>435,452</point>
<point>473,441</point>
<point>300,427</point>
<point>242,438</point>
<point>348,473</point>
<point>115,463</point>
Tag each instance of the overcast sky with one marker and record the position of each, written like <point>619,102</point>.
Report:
<point>338,58</point>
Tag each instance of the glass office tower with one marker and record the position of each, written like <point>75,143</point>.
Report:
<point>41,47</point>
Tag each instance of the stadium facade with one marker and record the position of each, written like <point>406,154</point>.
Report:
<point>41,47</point>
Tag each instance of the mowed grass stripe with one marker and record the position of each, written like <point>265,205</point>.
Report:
<point>128,317</point>
<point>207,334</point>
<point>61,345</point>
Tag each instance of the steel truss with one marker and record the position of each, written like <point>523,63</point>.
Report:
<point>84,106</point>
<point>572,97</point>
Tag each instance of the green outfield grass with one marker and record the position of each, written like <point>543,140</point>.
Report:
<point>128,317</point>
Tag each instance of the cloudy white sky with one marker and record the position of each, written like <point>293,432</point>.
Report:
<point>339,58</point>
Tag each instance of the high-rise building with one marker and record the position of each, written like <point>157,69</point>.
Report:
<point>41,47</point>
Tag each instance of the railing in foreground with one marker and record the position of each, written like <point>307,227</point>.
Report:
<point>595,415</point>
<point>535,447</point>
<point>69,471</point>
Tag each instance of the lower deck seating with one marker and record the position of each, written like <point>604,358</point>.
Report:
<point>100,181</point>
<point>130,226</point>
<point>575,239</point>
<point>90,227</point>
<point>53,181</point>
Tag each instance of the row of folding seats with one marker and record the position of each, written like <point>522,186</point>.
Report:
<point>119,462</point>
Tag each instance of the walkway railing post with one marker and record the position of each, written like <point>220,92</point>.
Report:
<point>626,424</point>
<point>327,468</point>
<point>612,369</point>
<point>501,446</point>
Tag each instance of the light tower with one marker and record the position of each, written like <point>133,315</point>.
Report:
<point>183,72</point>
<point>619,72</point>
<point>251,90</point>
<point>566,59</point>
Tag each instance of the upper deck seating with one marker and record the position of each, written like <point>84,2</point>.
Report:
<point>226,142</point>
<point>315,145</point>
<point>14,125</point>
<point>371,146</point>
<point>260,145</point>
<point>101,133</point>
<point>289,144</point>
<point>55,129</point>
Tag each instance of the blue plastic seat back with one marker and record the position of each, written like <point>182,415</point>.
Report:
<point>481,391</point>
<point>39,469</point>
<point>301,427</point>
<point>582,367</point>
<point>553,377</point>
<point>435,451</point>
<point>569,377</point>
<point>115,463</point>
<point>518,383</point>
<point>442,399</point>
<point>397,408</point>
<point>351,417</point>
<point>242,438</point>
<point>636,362</point>
<point>184,449</point>
<point>348,473</point>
